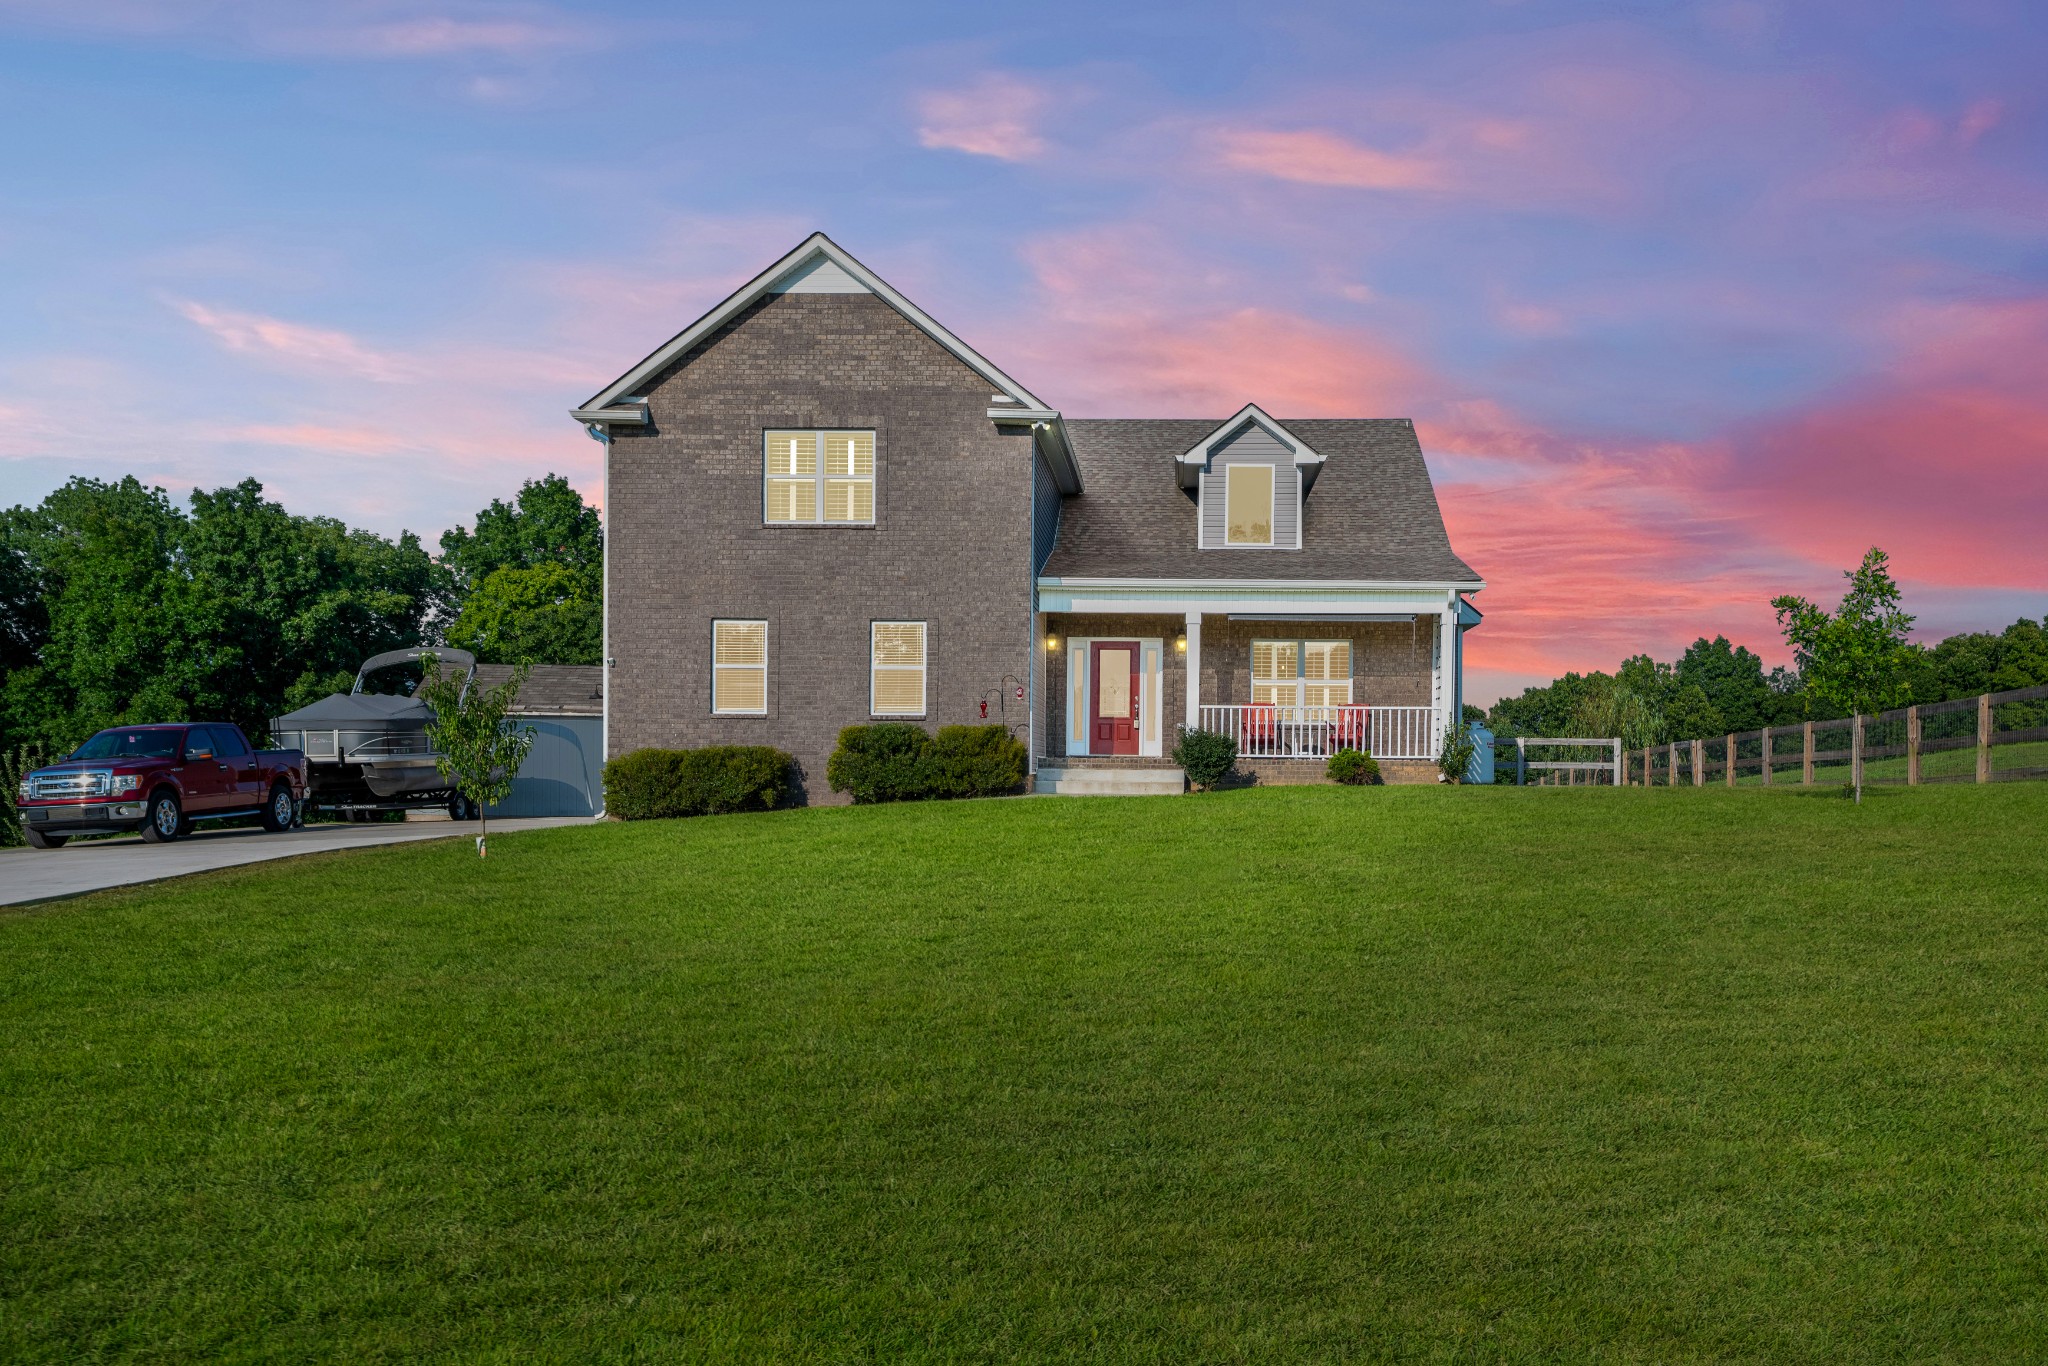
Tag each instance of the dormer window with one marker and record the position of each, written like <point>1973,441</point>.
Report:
<point>1249,477</point>
<point>1248,506</point>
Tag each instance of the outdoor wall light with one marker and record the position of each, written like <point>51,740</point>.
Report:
<point>1052,642</point>
<point>1180,643</point>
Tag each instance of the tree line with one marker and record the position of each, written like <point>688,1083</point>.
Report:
<point>118,606</point>
<point>1856,658</point>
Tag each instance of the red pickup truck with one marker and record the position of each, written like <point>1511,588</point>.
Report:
<point>159,780</point>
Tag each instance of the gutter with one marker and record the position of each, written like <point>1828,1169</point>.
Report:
<point>1050,431</point>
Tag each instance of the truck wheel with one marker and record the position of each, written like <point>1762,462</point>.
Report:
<point>278,811</point>
<point>38,840</point>
<point>461,808</point>
<point>166,819</point>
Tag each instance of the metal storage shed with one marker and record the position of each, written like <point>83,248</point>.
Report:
<point>564,772</point>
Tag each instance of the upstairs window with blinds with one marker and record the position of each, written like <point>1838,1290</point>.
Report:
<point>739,668</point>
<point>819,478</point>
<point>897,668</point>
<point>1301,673</point>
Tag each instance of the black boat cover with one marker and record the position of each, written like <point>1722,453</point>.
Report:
<point>349,711</point>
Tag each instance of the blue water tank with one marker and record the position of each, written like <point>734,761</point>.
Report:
<point>1481,770</point>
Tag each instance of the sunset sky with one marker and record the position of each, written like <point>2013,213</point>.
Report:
<point>1691,303</point>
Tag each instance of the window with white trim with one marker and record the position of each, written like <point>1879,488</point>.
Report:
<point>896,669</point>
<point>1301,673</point>
<point>1248,505</point>
<point>739,668</point>
<point>818,478</point>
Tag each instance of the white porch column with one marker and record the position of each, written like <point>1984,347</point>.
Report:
<point>1194,713</point>
<point>1447,669</point>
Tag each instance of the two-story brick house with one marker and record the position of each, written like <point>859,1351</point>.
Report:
<point>823,508</point>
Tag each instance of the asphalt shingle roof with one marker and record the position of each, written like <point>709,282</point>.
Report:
<point>1372,514</point>
<point>551,689</point>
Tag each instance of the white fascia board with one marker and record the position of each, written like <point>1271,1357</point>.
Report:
<point>1271,585</point>
<point>811,247</point>
<point>635,413</point>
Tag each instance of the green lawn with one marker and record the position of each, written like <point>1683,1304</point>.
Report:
<point>1289,1075</point>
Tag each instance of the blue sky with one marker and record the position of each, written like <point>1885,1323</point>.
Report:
<point>1691,302</point>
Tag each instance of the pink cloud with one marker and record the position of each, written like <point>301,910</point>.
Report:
<point>995,116</point>
<point>294,344</point>
<point>1942,458</point>
<point>1316,156</point>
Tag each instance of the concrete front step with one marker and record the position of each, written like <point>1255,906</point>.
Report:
<point>1111,782</point>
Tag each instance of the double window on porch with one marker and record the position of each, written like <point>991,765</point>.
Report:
<point>1304,705</point>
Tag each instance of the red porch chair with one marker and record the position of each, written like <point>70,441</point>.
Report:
<point>1354,729</point>
<point>1261,723</point>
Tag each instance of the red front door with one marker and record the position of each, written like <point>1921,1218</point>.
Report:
<point>1113,700</point>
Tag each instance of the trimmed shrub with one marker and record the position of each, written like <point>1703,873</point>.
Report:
<point>721,779</point>
<point>879,763</point>
<point>1207,756</point>
<point>1355,768</point>
<point>894,761</point>
<point>1455,760</point>
<point>659,784</point>
<point>974,761</point>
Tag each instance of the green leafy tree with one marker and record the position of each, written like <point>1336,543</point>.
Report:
<point>128,637</point>
<point>1619,710</point>
<point>1692,715</point>
<point>476,750</point>
<point>1856,657</point>
<point>131,610</point>
<point>547,523</point>
<point>1732,680</point>
<point>549,614</point>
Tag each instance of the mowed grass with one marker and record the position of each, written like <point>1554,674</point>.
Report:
<point>1294,1075</point>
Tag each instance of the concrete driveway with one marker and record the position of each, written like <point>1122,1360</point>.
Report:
<point>45,874</point>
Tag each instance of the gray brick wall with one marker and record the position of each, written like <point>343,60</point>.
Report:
<point>951,544</point>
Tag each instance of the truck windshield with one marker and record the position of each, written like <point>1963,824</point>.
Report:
<point>131,744</point>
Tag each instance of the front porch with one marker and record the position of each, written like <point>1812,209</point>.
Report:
<point>1291,687</point>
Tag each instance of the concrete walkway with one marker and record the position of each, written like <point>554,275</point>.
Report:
<point>45,874</point>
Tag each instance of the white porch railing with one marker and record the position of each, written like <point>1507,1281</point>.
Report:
<point>1289,732</point>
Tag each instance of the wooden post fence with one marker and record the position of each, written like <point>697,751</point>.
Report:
<point>1932,738</point>
<point>1984,738</point>
<point>1912,747</point>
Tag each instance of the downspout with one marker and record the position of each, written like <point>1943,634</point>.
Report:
<point>604,674</point>
<point>1031,660</point>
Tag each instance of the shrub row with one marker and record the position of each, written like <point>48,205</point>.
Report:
<point>897,762</point>
<point>652,784</point>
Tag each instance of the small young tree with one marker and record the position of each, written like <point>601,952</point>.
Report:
<point>475,749</point>
<point>1855,658</point>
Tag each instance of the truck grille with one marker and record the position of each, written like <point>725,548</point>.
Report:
<point>69,785</point>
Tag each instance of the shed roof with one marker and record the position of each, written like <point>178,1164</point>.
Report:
<point>1372,516</point>
<point>551,689</point>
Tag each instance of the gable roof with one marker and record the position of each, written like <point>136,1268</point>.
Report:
<point>1195,459</point>
<point>1373,517</point>
<point>818,265</point>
